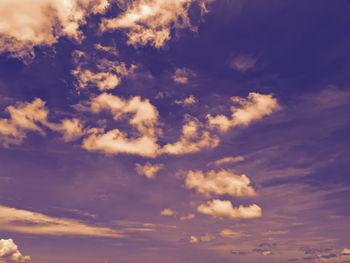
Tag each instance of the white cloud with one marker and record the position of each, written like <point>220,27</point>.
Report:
<point>187,101</point>
<point>253,108</point>
<point>25,24</point>
<point>219,208</point>
<point>24,221</point>
<point>150,21</point>
<point>220,183</point>
<point>228,160</point>
<point>242,63</point>
<point>191,141</point>
<point>194,240</point>
<point>188,217</point>
<point>71,129</point>
<point>9,252</point>
<point>149,170</point>
<point>107,75</point>
<point>182,75</point>
<point>229,233</point>
<point>167,212</point>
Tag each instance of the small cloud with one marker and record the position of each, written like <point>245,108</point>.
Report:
<point>149,170</point>
<point>242,63</point>
<point>187,101</point>
<point>188,217</point>
<point>207,238</point>
<point>346,252</point>
<point>219,208</point>
<point>182,75</point>
<point>220,183</point>
<point>229,233</point>
<point>194,239</point>
<point>9,252</point>
<point>168,212</point>
<point>253,108</point>
<point>228,160</point>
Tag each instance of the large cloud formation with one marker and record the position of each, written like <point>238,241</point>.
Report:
<point>28,23</point>
<point>9,252</point>
<point>151,21</point>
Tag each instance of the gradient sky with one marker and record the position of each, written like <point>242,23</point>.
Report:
<point>174,131</point>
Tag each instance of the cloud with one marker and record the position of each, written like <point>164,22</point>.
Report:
<point>242,63</point>
<point>144,119</point>
<point>188,217</point>
<point>26,24</point>
<point>346,252</point>
<point>148,169</point>
<point>107,74</point>
<point>191,141</point>
<point>9,252</point>
<point>228,233</point>
<point>182,75</point>
<point>32,116</point>
<point>151,21</point>
<point>228,160</point>
<point>24,221</point>
<point>253,108</point>
<point>193,240</point>
<point>167,212</point>
<point>219,208</point>
<point>220,183</point>
<point>187,101</point>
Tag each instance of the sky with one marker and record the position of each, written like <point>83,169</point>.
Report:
<point>177,131</point>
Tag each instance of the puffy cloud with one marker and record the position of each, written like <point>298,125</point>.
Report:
<point>167,212</point>
<point>242,63</point>
<point>194,240</point>
<point>25,24</point>
<point>191,141</point>
<point>144,119</point>
<point>9,252</point>
<point>23,117</point>
<point>220,183</point>
<point>253,108</point>
<point>24,221</point>
<point>148,169</point>
<point>228,160</point>
<point>71,129</point>
<point>182,75</point>
<point>32,116</point>
<point>107,74</point>
<point>187,101</point>
<point>188,217</point>
<point>219,208</point>
<point>151,21</point>
<point>207,238</point>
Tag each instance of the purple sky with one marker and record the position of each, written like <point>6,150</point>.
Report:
<point>174,131</point>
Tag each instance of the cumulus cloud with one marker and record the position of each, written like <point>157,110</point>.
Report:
<point>188,217</point>
<point>25,24</point>
<point>187,101</point>
<point>253,108</point>
<point>191,141</point>
<point>167,212</point>
<point>228,160</point>
<point>151,21</point>
<point>220,183</point>
<point>219,208</point>
<point>9,252</point>
<point>106,74</point>
<point>182,75</point>
<point>144,119</point>
<point>229,233</point>
<point>149,170</point>
<point>242,63</point>
<point>32,116</point>
<point>193,240</point>
<point>24,221</point>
